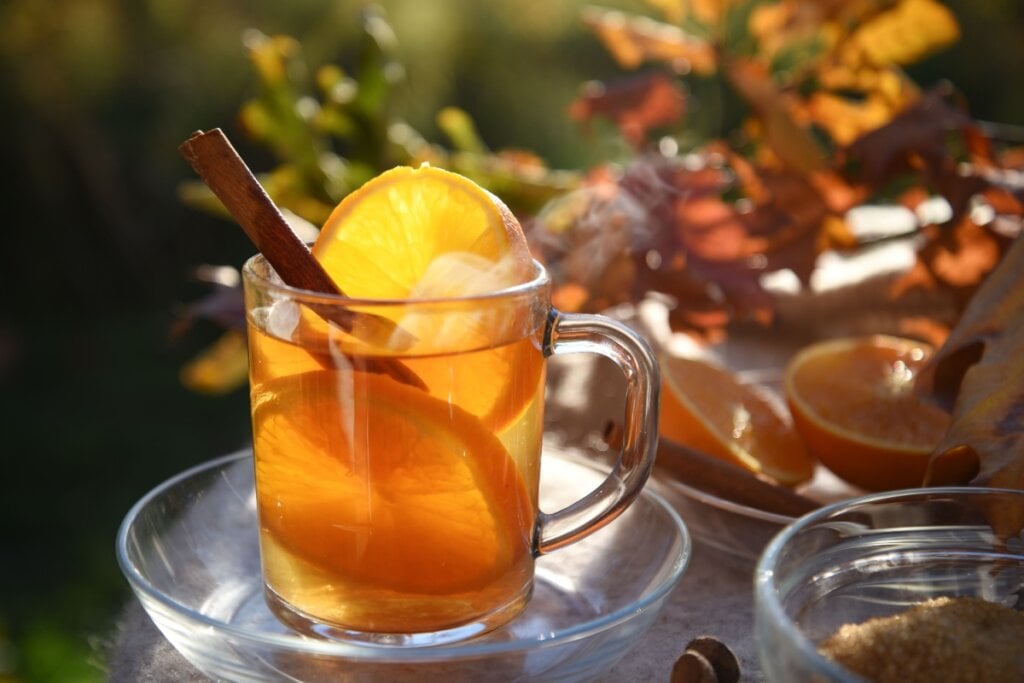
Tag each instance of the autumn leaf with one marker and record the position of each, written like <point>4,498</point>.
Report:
<point>673,10</point>
<point>847,119</point>
<point>636,105</point>
<point>790,139</point>
<point>635,40</point>
<point>219,368</point>
<point>915,141</point>
<point>905,34</point>
<point>980,372</point>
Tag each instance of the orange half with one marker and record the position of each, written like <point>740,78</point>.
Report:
<point>854,405</point>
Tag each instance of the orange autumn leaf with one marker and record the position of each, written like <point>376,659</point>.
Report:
<point>955,258</point>
<point>980,372</point>
<point>636,105</point>
<point>847,119</point>
<point>789,138</point>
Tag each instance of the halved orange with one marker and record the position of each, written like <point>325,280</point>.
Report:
<point>853,403</point>
<point>376,481</point>
<point>707,408</point>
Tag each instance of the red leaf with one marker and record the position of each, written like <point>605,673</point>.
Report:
<point>636,105</point>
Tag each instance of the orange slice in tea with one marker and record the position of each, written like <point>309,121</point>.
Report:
<point>424,233</point>
<point>854,405</point>
<point>380,241</point>
<point>708,409</point>
<point>415,494</point>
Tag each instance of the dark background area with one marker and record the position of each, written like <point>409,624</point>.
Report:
<point>97,248</point>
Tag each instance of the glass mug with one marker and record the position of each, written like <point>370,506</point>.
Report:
<point>397,450</point>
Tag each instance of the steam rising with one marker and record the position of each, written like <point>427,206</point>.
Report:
<point>460,274</point>
<point>586,230</point>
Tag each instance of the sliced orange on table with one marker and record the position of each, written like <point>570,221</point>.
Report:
<point>708,409</point>
<point>396,488</point>
<point>853,403</point>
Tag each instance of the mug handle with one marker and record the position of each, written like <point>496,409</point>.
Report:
<point>582,333</point>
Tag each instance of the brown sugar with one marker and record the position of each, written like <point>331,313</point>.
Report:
<point>944,639</point>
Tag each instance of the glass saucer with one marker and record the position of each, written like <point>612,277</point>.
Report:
<point>190,551</point>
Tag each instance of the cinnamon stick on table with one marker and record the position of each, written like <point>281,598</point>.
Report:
<point>725,480</point>
<point>214,158</point>
<point>719,478</point>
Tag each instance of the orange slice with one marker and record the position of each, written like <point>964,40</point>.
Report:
<point>854,405</point>
<point>706,408</point>
<point>426,233</point>
<point>380,241</point>
<point>396,488</point>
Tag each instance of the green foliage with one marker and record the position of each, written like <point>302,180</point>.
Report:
<point>331,131</point>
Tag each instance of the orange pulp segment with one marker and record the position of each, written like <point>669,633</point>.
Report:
<point>708,409</point>
<point>395,488</point>
<point>853,403</point>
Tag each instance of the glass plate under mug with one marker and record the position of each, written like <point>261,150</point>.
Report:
<point>190,551</point>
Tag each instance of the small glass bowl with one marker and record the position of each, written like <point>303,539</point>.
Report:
<point>190,551</point>
<point>875,556</point>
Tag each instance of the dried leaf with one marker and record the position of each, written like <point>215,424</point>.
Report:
<point>673,10</point>
<point>635,40</point>
<point>915,141</point>
<point>220,368</point>
<point>910,31</point>
<point>637,105</point>
<point>790,139</point>
<point>847,119</point>
<point>982,366</point>
<point>954,258</point>
<point>223,304</point>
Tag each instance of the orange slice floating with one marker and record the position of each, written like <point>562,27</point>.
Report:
<point>426,233</point>
<point>395,488</point>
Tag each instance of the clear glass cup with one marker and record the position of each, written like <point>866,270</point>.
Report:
<point>397,453</point>
<point>876,556</point>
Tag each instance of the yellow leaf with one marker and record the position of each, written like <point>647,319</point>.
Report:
<point>270,55</point>
<point>845,119</point>
<point>673,10</point>
<point>220,368</point>
<point>910,31</point>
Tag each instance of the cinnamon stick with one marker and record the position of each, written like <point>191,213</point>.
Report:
<point>720,478</point>
<point>214,158</point>
<point>725,480</point>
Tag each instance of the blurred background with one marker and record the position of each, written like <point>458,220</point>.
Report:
<point>98,248</point>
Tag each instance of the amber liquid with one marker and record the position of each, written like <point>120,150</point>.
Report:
<point>385,508</point>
